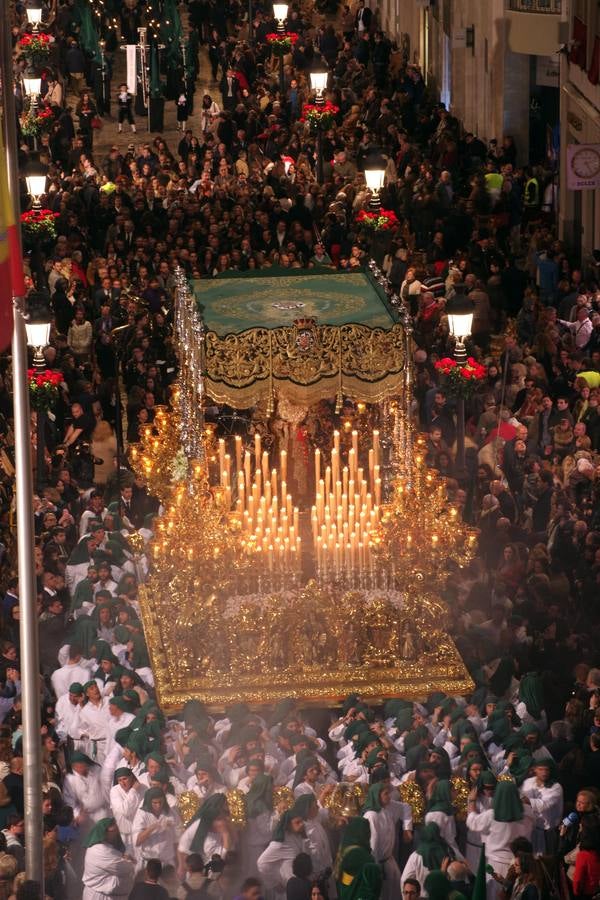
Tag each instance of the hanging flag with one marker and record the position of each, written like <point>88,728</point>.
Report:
<point>11,261</point>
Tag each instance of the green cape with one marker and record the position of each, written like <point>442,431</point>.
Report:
<point>98,834</point>
<point>213,807</point>
<point>432,847</point>
<point>531,693</point>
<point>441,798</point>
<point>259,798</point>
<point>507,803</point>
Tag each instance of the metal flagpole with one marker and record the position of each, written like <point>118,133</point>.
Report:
<point>30,672</point>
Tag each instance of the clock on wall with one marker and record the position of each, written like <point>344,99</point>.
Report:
<point>585,163</point>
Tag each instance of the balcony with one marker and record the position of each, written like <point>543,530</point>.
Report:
<point>534,26</point>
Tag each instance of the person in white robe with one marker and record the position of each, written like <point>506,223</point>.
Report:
<point>125,798</point>
<point>441,811</point>
<point>384,816</point>
<point>154,835</point>
<point>93,721</point>
<point>68,711</point>
<point>508,819</point>
<point>72,671</point>
<point>429,854</point>
<point>261,819</point>
<point>205,781</point>
<point>315,817</point>
<point>210,833</point>
<point>108,873</point>
<point>275,863</point>
<point>485,797</point>
<point>118,717</point>
<point>545,795</point>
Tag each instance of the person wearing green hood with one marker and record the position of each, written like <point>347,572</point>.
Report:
<point>428,855</point>
<point>509,818</point>
<point>124,798</point>
<point>355,836</point>
<point>307,776</point>
<point>483,792</point>
<point>82,791</point>
<point>209,833</point>
<point>546,797</point>
<point>275,863</point>
<point>261,821</point>
<point>383,815</point>
<point>361,877</point>
<point>107,872</point>
<point>154,835</point>
<point>437,885</point>
<point>119,716</point>
<point>314,816</point>
<point>82,598</point>
<point>93,721</point>
<point>530,708</point>
<point>440,810</point>
<point>206,780</point>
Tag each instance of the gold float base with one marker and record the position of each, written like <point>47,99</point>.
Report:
<point>315,643</point>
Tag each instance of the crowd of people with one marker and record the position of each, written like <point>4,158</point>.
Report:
<point>515,766</point>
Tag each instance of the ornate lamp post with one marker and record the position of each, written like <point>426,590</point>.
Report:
<point>280,11</point>
<point>318,82</point>
<point>375,177</point>
<point>460,321</point>
<point>32,84</point>
<point>34,17</point>
<point>37,328</point>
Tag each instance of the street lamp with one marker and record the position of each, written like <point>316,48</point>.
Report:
<point>32,84</point>
<point>37,325</point>
<point>35,178</point>
<point>318,82</point>
<point>34,17</point>
<point>375,178</point>
<point>280,11</point>
<point>37,328</point>
<point>459,310</point>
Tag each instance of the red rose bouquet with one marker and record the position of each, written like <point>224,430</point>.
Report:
<point>380,220</point>
<point>319,115</point>
<point>43,388</point>
<point>39,224</point>
<point>35,47</point>
<point>282,43</point>
<point>457,380</point>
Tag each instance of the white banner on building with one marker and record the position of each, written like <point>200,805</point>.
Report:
<point>131,69</point>
<point>583,167</point>
<point>547,71</point>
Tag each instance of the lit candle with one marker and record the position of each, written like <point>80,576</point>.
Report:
<point>257,450</point>
<point>265,466</point>
<point>221,459</point>
<point>283,458</point>
<point>283,491</point>
<point>376,446</point>
<point>296,519</point>
<point>273,482</point>
<point>238,452</point>
<point>378,491</point>
<point>336,441</point>
<point>355,442</point>
<point>345,507</point>
<point>335,465</point>
<point>228,467</point>
<point>371,469</point>
<point>345,479</point>
<point>270,557</point>
<point>247,469</point>
<point>327,481</point>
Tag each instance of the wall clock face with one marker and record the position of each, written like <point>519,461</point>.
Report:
<point>586,162</point>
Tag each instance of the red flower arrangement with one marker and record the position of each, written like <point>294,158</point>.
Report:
<point>33,123</point>
<point>35,47</point>
<point>460,380</point>
<point>319,114</point>
<point>382,220</point>
<point>282,43</point>
<point>39,223</point>
<point>43,388</point>
<point>34,42</point>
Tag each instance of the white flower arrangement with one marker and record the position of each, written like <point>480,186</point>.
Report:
<point>179,467</point>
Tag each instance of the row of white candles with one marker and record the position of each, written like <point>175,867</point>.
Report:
<point>270,522</point>
<point>346,509</point>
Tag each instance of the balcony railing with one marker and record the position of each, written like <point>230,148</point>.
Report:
<point>553,7</point>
